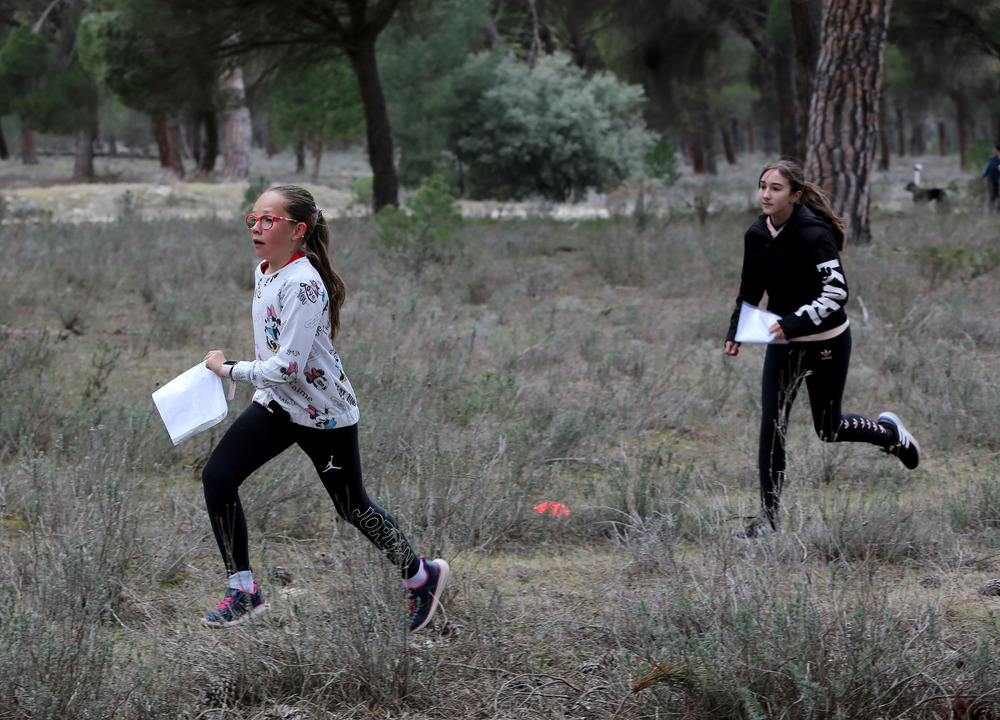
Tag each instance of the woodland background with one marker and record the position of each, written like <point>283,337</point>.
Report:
<point>541,319</point>
<point>506,98</point>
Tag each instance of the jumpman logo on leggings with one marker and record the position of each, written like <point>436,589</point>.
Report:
<point>331,466</point>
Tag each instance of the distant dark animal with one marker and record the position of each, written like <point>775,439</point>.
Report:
<point>922,195</point>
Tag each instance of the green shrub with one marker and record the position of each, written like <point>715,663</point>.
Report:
<point>977,154</point>
<point>550,131</point>
<point>254,190</point>
<point>941,263</point>
<point>363,190</point>
<point>421,233</point>
<point>661,161</point>
<point>130,206</point>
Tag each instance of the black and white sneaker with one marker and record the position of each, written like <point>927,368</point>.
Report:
<point>905,447</point>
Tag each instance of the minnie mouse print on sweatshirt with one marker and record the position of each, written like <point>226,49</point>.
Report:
<point>296,363</point>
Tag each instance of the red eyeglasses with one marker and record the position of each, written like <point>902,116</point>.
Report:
<point>266,221</point>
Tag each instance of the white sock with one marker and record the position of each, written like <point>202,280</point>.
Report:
<point>417,580</point>
<point>242,580</point>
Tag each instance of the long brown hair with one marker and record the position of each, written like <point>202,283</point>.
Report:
<point>813,196</point>
<point>301,207</point>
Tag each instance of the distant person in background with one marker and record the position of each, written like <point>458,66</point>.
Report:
<point>792,252</point>
<point>303,397</point>
<point>992,174</point>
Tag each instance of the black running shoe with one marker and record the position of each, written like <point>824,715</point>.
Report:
<point>905,447</point>
<point>236,608</point>
<point>425,599</point>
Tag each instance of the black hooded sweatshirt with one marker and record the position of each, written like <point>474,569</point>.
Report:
<point>799,270</point>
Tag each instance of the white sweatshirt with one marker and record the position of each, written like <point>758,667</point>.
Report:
<point>297,366</point>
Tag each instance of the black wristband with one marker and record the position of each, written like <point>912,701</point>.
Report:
<point>230,363</point>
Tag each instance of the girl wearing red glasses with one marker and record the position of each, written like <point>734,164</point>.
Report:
<point>303,397</point>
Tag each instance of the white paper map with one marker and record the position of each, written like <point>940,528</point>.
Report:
<point>753,325</point>
<point>191,402</point>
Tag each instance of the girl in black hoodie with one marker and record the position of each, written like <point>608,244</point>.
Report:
<point>792,253</point>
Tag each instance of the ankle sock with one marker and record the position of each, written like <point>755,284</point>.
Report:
<point>242,580</point>
<point>418,579</point>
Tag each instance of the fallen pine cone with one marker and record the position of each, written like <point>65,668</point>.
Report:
<point>990,587</point>
<point>962,709</point>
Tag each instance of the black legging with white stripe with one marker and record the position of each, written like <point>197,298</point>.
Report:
<point>823,365</point>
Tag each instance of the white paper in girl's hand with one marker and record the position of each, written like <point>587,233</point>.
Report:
<point>191,402</point>
<point>753,325</point>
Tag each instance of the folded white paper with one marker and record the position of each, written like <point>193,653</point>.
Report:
<point>753,325</point>
<point>191,402</point>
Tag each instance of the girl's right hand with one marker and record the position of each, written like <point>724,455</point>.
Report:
<point>214,361</point>
<point>732,348</point>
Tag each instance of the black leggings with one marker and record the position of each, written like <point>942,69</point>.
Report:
<point>258,435</point>
<point>823,365</point>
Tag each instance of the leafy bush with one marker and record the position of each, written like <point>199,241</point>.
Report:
<point>363,189</point>
<point>550,131</point>
<point>977,155</point>
<point>423,231</point>
<point>661,161</point>
<point>254,190</point>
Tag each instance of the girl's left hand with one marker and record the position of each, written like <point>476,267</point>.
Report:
<point>214,362</point>
<point>777,331</point>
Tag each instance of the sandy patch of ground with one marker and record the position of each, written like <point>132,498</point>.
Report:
<point>139,186</point>
<point>109,202</point>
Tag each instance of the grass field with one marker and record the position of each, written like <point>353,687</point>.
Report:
<point>578,361</point>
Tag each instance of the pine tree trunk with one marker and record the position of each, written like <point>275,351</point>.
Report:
<point>300,155</point>
<point>29,152</point>
<point>385,184</point>
<point>239,128</point>
<point>883,134</point>
<point>918,145</point>
<point>695,151</point>
<point>901,129</point>
<point>4,150</point>
<point>194,137</point>
<point>208,141</point>
<point>789,110</point>
<point>962,121</point>
<point>843,122</point>
<point>167,130</point>
<point>735,128</point>
<point>269,145</point>
<point>728,145</point>
<point>317,157</point>
<point>83,162</point>
<point>807,19</point>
